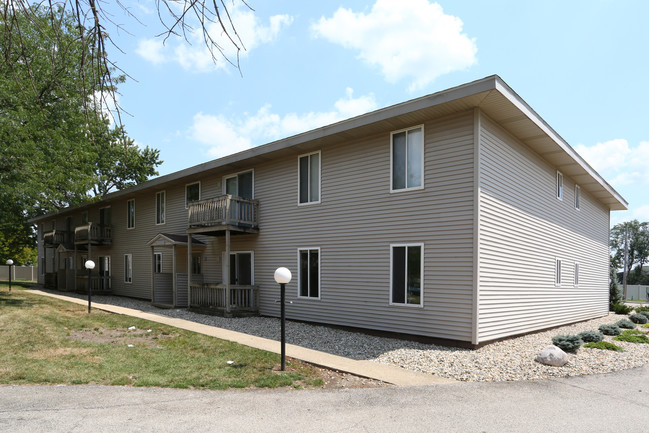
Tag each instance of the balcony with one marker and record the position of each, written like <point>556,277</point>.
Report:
<point>54,238</point>
<point>217,299</point>
<point>95,234</point>
<point>223,213</point>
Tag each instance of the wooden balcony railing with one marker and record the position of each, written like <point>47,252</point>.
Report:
<point>224,210</point>
<point>57,237</point>
<point>213,297</point>
<point>95,233</point>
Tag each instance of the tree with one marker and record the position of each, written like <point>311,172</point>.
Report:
<point>54,153</point>
<point>630,239</point>
<point>615,297</point>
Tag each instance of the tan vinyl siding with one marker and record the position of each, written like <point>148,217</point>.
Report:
<point>523,229</point>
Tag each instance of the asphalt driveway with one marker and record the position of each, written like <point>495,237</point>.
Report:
<point>612,402</point>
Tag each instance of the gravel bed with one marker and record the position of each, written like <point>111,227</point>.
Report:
<point>507,360</point>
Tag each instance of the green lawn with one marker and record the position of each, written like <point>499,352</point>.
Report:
<point>47,341</point>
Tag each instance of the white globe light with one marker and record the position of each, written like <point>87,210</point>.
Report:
<point>283,276</point>
<point>90,265</point>
<point>10,262</point>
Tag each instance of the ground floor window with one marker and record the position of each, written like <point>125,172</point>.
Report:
<point>157,263</point>
<point>128,268</point>
<point>407,264</point>
<point>196,265</point>
<point>557,272</point>
<point>309,273</point>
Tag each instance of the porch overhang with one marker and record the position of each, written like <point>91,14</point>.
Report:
<point>168,240</point>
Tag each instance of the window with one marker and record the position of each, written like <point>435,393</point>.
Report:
<point>196,265</point>
<point>53,224</point>
<point>407,263</point>
<point>557,273</point>
<point>157,263</point>
<point>308,273</point>
<point>576,282</point>
<point>239,185</point>
<point>559,185</point>
<point>407,157</point>
<point>192,193</point>
<point>130,214</point>
<point>160,207</point>
<point>577,197</point>
<point>84,217</point>
<point>309,178</point>
<point>128,268</point>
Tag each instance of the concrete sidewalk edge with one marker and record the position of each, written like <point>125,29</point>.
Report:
<point>369,369</point>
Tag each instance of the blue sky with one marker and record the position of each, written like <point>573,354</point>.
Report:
<point>581,65</point>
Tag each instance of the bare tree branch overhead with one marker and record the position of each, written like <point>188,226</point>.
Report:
<point>96,20</point>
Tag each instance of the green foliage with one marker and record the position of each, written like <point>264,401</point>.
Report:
<point>567,343</point>
<point>591,336</point>
<point>621,309</point>
<point>638,318</point>
<point>610,329</point>
<point>615,294</point>
<point>625,323</point>
<point>634,237</point>
<point>604,345</point>
<point>632,336</point>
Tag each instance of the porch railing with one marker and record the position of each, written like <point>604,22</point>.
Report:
<point>99,283</point>
<point>57,237</point>
<point>224,210</point>
<point>213,296</point>
<point>93,232</point>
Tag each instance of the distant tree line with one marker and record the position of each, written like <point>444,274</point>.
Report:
<point>630,251</point>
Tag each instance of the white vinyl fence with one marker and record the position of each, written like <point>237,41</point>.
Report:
<point>19,273</point>
<point>637,292</point>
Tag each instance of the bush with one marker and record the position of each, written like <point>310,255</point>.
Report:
<point>641,309</point>
<point>632,337</point>
<point>614,292</point>
<point>621,309</point>
<point>644,313</point>
<point>604,345</point>
<point>638,318</point>
<point>568,343</point>
<point>591,336</point>
<point>625,323</point>
<point>610,329</point>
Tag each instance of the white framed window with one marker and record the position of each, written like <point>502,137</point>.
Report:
<point>128,268</point>
<point>308,273</point>
<point>557,272</point>
<point>407,159</point>
<point>130,214</point>
<point>160,207</point>
<point>197,268</point>
<point>309,166</point>
<point>559,185</point>
<point>192,193</point>
<point>577,197</point>
<point>157,263</point>
<point>240,184</point>
<point>576,275</point>
<point>407,274</point>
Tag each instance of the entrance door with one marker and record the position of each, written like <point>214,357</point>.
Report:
<point>104,273</point>
<point>241,269</point>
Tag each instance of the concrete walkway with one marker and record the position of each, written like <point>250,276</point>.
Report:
<point>373,370</point>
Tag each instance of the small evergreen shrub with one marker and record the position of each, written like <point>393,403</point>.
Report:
<point>591,336</point>
<point>567,343</point>
<point>644,313</point>
<point>640,319</point>
<point>621,309</point>
<point>604,345</point>
<point>633,337</point>
<point>625,323</point>
<point>641,309</point>
<point>610,329</point>
<point>646,325</point>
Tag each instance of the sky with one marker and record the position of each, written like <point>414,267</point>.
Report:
<point>583,66</point>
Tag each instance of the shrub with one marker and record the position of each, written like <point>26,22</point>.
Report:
<point>614,292</point>
<point>638,318</point>
<point>604,345</point>
<point>632,337</point>
<point>610,329</point>
<point>644,313</point>
<point>621,309</point>
<point>625,323</point>
<point>641,309</point>
<point>591,336</point>
<point>567,343</point>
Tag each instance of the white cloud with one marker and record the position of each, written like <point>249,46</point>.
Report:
<point>224,136</point>
<point>618,162</point>
<point>195,56</point>
<point>411,39</point>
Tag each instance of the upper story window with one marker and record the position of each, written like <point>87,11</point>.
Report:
<point>130,214</point>
<point>559,185</point>
<point>407,265</point>
<point>192,193</point>
<point>309,178</point>
<point>160,207</point>
<point>240,184</point>
<point>407,157</point>
<point>577,197</point>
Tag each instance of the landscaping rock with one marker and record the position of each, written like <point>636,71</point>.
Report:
<point>552,355</point>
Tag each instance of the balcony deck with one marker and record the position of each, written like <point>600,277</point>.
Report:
<point>95,234</point>
<point>54,238</point>
<point>227,212</point>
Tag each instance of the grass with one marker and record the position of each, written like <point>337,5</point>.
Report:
<point>632,336</point>
<point>604,345</point>
<point>48,341</point>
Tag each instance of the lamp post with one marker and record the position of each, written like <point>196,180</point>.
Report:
<point>10,263</point>
<point>283,277</point>
<point>90,265</point>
